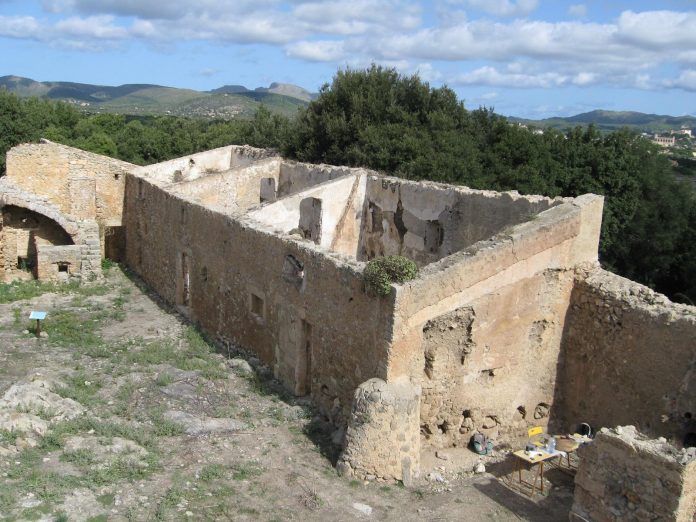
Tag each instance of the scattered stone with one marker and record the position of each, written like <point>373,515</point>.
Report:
<point>434,476</point>
<point>81,504</point>
<point>194,425</point>
<point>442,455</point>
<point>480,468</point>
<point>241,366</point>
<point>363,508</point>
<point>43,335</point>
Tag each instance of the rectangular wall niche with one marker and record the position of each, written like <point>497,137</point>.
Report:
<point>310,219</point>
<point>256,305</point>
<point>267,190</point>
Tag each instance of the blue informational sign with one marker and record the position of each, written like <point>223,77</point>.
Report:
<point>39,316</point>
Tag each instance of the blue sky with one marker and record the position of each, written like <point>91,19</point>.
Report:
<point>529,58</point>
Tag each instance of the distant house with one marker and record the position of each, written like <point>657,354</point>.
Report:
<point>682,131</point>
<point>664,141</point>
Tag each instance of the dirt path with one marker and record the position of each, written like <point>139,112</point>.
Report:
<point>125,413</point>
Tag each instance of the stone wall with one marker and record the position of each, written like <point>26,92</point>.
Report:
<point>36,217</point>
<point>80,184</point>
<point>623,475</point>
<point>340,210</point>
<point>629,357</point>
<point>57,262</point>
<point>428,221</point>
<point>301,308</point>
<point>382,435</point>
<point>233,190</point>
<point>481,330</point>
<point>194,166</point>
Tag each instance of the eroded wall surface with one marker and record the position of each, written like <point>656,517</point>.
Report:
<point>629,357</point>
<point>428,221</point>
<point>481,330</point>
<point>300,308</point>
<point>624,475</point>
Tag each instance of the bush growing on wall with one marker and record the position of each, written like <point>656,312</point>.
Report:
<point>381,272</point>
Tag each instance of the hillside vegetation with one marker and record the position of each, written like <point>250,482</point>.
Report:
<point>614,120</point>
<point>147,99</point>
<point>400,125</point>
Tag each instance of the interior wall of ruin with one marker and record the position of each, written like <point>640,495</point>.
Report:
<point>336,216</point>
<point>294,177</point>
<point>81,184</point>
<point>20,229</point>
<point>230,191</point>
<point>193,166</point>
<point>629,357</point>
<point>481,331</point>
<point>300,309</point>
<point>428,221</point>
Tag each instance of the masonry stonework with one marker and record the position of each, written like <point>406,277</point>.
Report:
<point>509,324</point>
<point>624,475</point>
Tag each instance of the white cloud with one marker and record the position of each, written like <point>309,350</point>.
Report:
<point>504,7</point>
<point>658,30</point>
<point>578,10</point>
<point>93,27</point>
<point>317,51</point>
<point>491,76</point>
<point>686,81</point>
<point>19,27</point>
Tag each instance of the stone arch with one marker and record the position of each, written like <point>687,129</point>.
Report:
<point>74,247</point>
<point>28,202</point>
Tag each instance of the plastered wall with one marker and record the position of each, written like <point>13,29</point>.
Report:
<point>428,221</point>
<point>629,357</point>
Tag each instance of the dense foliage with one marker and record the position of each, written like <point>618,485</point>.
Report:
<point>140,140</point>
<point>379,119</point>
<point>381,272</point>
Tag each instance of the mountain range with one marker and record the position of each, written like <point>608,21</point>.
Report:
<point>229,101</point>
<point>236,101</point>
<point>613,120</point>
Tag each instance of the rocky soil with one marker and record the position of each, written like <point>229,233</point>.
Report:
<point>125,412</point>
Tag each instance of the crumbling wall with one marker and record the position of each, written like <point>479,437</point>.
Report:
<point>382,435</point>
<point>340,203</point>
<point>629,357</point>
<point>80,184</point>
<point>194,166</point>
<point>294,177</point>
<point>481,330</point>
<point>428,221</point>
<point>490,366</point>
<point>624,475</point>
<point>232,190</point>
<point>244,283</point>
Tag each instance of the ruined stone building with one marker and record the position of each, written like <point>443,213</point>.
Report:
<point>510,322</point>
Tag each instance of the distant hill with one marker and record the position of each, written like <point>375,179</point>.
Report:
<point>229,101</point>
<point>613,120</point>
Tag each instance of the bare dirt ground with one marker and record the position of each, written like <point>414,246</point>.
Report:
<point>124,412</point>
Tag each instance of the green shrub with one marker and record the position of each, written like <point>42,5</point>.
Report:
<point>381,272</point>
